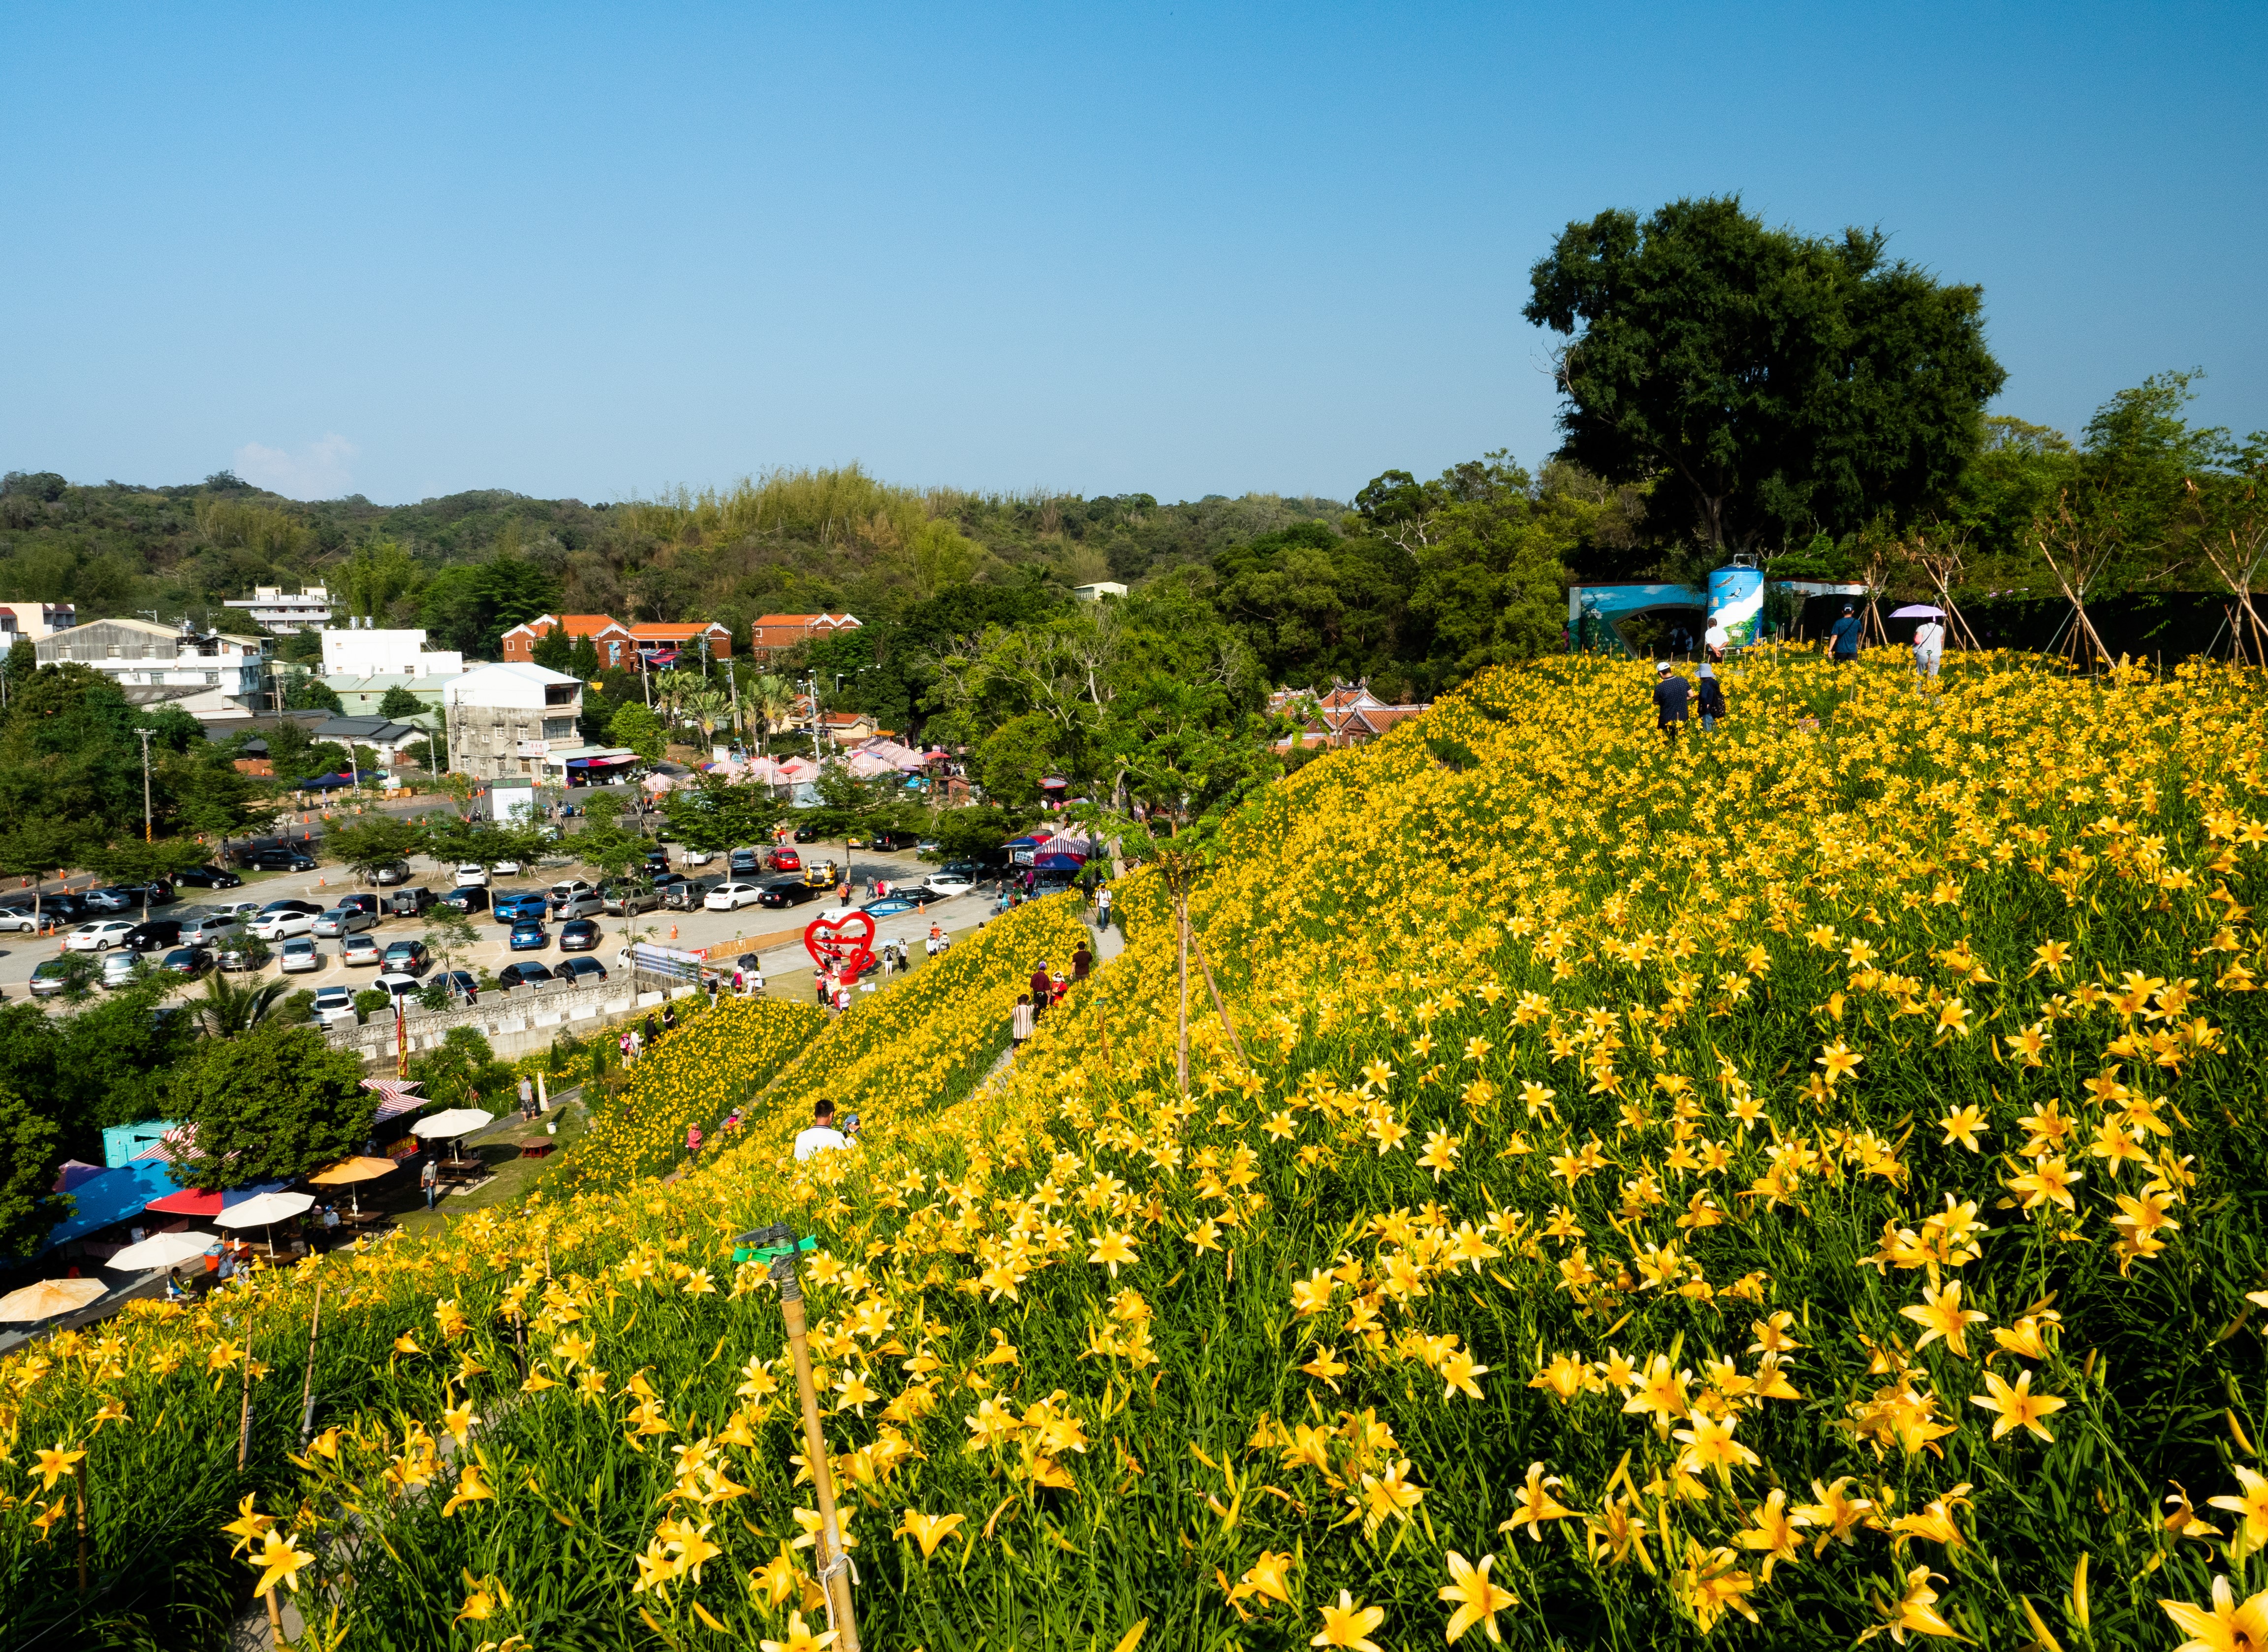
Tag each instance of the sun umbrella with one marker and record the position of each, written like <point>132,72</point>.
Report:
<point>347,1171</point>
<point>265,1212</point>
<point>163,1251</point>
<point>49,1298</point>
<point>1917,610</point>
<point>458,1121</point>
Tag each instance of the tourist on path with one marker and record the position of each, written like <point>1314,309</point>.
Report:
<point>1020,1020</point>
<point>1670,693</point>
<point>1928,648</point>
<point>823,1135</point>
<point>1709,697</point>
<point>1845,636</point>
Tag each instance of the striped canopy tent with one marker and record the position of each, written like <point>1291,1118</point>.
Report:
<point>796,771</point>
<point>867,765</point>
<point>898,756</point>
<point>396,1096</point>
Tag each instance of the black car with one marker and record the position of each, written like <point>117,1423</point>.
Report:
<point>278,861</point>
<point>467,898</point>
<point>187,961</point>
<point>579,971</point>
<point>514,975</point>
<point>657,861</point>
<point>154,935</point>
<point>208,878</point>
<point>893,840</point>
<point>806,834</point>
<point>579,934</point>
<point>788,892</point>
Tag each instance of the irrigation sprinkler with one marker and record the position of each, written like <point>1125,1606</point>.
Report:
<point>776,1247</point>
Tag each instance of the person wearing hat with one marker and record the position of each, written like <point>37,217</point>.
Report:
<point>1843,639</point>
<point>1671,692</point>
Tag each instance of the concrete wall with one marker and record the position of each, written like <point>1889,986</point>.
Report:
<point>514,1023</point>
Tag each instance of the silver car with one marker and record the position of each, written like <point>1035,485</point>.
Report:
<point>297,956</point>
<point>359,949</point>
<point>344,920</point>
<point>120,968</point>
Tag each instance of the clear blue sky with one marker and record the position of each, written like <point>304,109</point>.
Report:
<point>1176,248</point>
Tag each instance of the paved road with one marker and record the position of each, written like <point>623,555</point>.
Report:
<point>785,966</point>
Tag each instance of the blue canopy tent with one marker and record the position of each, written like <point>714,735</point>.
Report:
<point>113,1196</point>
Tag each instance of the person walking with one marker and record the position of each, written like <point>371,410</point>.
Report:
<point>1020,1020</point>
<point>429,1179</point>
<point>1081,962</point>
<point>821,1137</point>
<point>693,1141</point>
<point>1709,698</point>
<point>1843,638</point>
<point>1671,692</point>
<point>1928,647</point>
<point>526,1097</point>
<point>1102,909</point>
<point>669,1017</point>
<point>1042,982</point>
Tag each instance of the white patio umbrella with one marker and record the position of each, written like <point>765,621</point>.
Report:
<point>458,1121</point>
<point>264,1211</point>
<point>48,1299</point>
<point>164,1250</point>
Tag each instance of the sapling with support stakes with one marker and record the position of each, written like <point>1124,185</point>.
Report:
<point>776,1247</point>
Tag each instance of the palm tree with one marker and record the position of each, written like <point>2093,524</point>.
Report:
<point>766,702</point>
<point>708,707</point>
<point>228,1009</point>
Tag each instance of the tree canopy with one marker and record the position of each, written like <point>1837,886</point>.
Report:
<point>271,1104</point>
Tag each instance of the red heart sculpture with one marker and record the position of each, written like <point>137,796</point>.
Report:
<point>833,947</point>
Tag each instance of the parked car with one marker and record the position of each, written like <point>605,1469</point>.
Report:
<point>278,861</point>
<point>890,905</point>
<point>414,903</point>
<point>334,1006</point>
<point>893,841</point>
<point>470,876</point>
<point>20,918</point>
<point>360,949</point>
<point>461,986</point>
<point>120,967</point>
<point>155,934</point>
<point>582,904</point>
<point>280,922</point>
<point>343,920</point>
<point>506,868</point>
<point>742,863</point>
<point>369,904</point>
<point>64,907</point>
<point>398,872</point>
<point>522,907</point>
<point>806,834</point>
<point>190,961</point>
<point>788,892</point>
<point>208,878</point>
<point>579,971</point>
<point>524,974</point>
<point>579,934</point>
<point>409,957</point>
<point>784,859</point>
<point>401,985</point>
<point>115,897</point>
<point>696,857</point>
<point>297,956</point>
<point>945,885</point>
<point>98,935</point>
<point>686,895</point>
<point>213,926</point>
<point>618,900</point>
<point>528,935</point>
<point>566,888</point>
<point>467,898</point>
<point>730,897</point>
<point>241,951</point>
<point>51,977</point>
<point>243,911</point>
<point>657,861</point>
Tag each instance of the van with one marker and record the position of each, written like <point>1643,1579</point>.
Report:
<point>410,903</point>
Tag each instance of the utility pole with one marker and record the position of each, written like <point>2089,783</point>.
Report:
<point>731,693</point>
<point>145,783</point>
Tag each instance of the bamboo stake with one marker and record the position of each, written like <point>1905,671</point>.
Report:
<point>1181,1059</point>
<point>834,1562</point>
<point>275,1618</point>
<point>244,1423</point>
<point>78,1470</point>
<point>1220,1005</point>
<point>307,1388</point>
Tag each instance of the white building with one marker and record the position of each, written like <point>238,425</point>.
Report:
<point>272,610</point>
<point>33,622</point>
<point>373,654</point>
<point>211,675</point>
<point>503,719</point>
<point>1099,590</point>
<point>362,696</point>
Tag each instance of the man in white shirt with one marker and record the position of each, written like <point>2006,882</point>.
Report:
<point>822,1135</point>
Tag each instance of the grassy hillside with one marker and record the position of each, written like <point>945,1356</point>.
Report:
<point>1796,1186</point>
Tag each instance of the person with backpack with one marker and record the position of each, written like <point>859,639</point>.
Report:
<point>1709,699</point>
<point>1671,693</point>
<point>1843,639</point>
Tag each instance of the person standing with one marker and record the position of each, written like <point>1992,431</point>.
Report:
<point>1020,1020</point>
<point>1843,638</point>
<point>1671,692</point>
<point>1102,908</point>
<point>693,1141</point>
<point>1928,647</point>
<point>1042,981</point>
<point>1709,698</point>
<point>1081,962</point>
<point>526,1097</point>
<point>822,1137</point>
<point>429,1179</point>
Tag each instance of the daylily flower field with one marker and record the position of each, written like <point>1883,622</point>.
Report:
<point>1796,1189</point>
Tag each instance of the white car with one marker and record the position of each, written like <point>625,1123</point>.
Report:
<point>334,1006</point>
<point>276,925</point>
<point>696,857</point>
<point>99,936</point>
<point>567,888</point>
<point>120,968</point>
<point>400,985</point>
<point>509,868</point>
<point>729,897</point>
<point>471,877</point>
<point>948,883</point>
<point>243,911</point>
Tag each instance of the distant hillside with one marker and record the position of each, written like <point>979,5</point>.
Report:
<point>469,565</point>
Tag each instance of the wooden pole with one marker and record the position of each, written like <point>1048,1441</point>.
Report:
<point>308,1387</point>
<point>244,1423</point>
<point>275,1619</point>
<point>1219,1004</point>
<point>834,1562</point>
<point>1181,1059</point>
<point>78,1470</point>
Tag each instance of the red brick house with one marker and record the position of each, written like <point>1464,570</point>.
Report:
<point>685,641</point>
<point>613,639</point>
<point>773,634</point>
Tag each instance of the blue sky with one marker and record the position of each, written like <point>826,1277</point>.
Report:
<point>406,251</point>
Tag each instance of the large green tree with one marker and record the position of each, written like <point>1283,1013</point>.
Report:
<point>31,1149</point>
<point>713,817</point>
<point>374,841</point>
<point>1779,384</point>
<point>272,1104</point>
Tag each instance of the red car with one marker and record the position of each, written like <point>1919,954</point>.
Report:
<point>784,859</point>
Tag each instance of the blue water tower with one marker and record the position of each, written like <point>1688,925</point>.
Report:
<point>1737,602</point>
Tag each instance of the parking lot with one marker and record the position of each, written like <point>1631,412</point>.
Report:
<point>785,966</point>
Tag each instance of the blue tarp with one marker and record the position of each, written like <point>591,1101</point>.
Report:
<point>114,1196</point>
